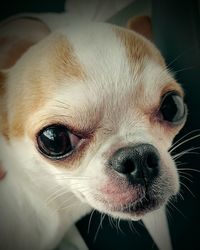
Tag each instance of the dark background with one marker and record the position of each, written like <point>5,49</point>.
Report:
<point>176,26</point>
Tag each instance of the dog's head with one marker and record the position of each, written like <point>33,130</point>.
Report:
<point>92,108</point>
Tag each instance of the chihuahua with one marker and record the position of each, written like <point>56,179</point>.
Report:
<point>88,113</point>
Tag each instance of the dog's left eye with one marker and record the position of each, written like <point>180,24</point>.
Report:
<point>56,142</point>
<point>172,108</point>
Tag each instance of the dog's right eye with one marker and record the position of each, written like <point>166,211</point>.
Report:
<point>56,142</point>
<point>173,108</point>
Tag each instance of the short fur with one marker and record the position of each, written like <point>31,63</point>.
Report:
<point>102,80</point>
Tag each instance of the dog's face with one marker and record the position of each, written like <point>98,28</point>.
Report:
<point>96,105</point>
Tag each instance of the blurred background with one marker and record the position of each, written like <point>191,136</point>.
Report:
<point>176,31</point>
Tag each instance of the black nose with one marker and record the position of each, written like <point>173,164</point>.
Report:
<point>139,162</point>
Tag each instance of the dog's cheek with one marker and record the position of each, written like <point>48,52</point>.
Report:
<point>164,141</point>
<point>169,172</point>
<point>94,170</point>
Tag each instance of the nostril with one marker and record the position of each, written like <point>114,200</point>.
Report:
<point>129,166</point>
<point>152,160</point>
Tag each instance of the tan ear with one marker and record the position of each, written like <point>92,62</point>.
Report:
<point>142,25</point>
<point>16,36</point>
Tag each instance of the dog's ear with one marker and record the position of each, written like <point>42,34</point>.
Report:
<point>142,25</point>
<point>16,36</point>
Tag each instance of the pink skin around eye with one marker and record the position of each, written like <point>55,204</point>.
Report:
<point>74,139</point>
<point>2,173</point>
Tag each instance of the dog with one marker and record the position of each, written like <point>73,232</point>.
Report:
<point>88,113</point>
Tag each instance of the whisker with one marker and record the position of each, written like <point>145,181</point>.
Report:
<point>190,169</point>
<point>71,178</point>
<point>183,69</point>
<point>184,185</point>
<point>74,177</point>
<point>184,136</point>
<point>181,164</point>
<point>72,197</point>
<point>171,203</point>
<point>132,228</point>
<point>62,176</point>
<point>100,226</point>
<point>52,188</point>
<point>181,196</point>
<point>64,190</point>
<point>176,58</point>
<point>185,152</point>
<point>111,220</point>
<point>66,202</point>
<point>118,224</point>
<point>168,213</point>
<point>67,207</point>
<point>57,194</point>
<point>184,177</point>
<point>90,219</point>
<point>183,142</point>
<point>184,173</point>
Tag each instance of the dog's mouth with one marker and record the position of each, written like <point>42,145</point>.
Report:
<point>123,198</point>
<point>141,206</point>
<point>133,201</point>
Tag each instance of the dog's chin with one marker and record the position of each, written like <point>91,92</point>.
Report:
<point>141,203</point>
<point>137,209</point>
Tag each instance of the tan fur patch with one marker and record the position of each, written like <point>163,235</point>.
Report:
<point>137,48</point>
<point>54,64</point>
<point>2,84</point>
<point>4,130</point>
<point>3,112</point>
<point>172,86</point>
<point>142,25</point>
<point>65,61</point>
<point>26,105</point>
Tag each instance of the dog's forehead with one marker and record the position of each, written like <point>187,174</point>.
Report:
<point>122,71</point>
<point>106,61</point>
<point>103,47</point>
<point>115,58</point>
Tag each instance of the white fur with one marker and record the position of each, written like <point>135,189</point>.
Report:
<point>39,201</point>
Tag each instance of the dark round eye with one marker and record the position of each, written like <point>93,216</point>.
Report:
<point>56,141</point>
<point>172,108</point>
